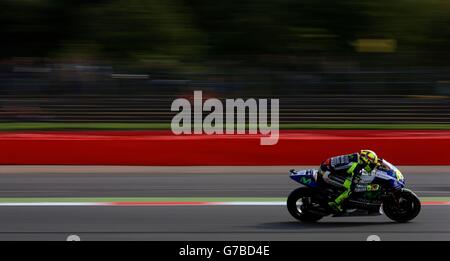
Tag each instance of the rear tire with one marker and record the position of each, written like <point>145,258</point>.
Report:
<point>403,208</point>
<point>297,196</point>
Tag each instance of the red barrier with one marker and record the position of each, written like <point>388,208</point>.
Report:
<point>161,148</point>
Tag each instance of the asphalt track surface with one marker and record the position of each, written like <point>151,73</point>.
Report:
<point>195,222</point>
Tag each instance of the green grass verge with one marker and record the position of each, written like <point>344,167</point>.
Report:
<point>166,126</point>
<point>368,126</point>
<point>82,126</point>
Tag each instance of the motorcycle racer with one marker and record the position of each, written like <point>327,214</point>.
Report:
<point>345,171</point>
<point>375,188</point>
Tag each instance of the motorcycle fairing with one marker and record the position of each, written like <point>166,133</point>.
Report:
<point>306,177</point>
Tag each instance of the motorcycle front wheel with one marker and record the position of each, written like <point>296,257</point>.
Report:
<point>402,207</point>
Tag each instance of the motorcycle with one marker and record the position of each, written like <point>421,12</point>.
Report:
<point>310,202</point>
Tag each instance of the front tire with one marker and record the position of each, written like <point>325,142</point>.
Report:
<point>402,207</point>
<point>297,205</point>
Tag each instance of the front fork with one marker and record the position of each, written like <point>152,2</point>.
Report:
<point>393,195</point>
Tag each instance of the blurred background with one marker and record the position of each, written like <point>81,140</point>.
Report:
<point>119,64</point>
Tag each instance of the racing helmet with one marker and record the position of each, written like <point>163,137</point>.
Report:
<point>369,157</point>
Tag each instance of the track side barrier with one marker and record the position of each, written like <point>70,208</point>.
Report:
<point>161,148</point>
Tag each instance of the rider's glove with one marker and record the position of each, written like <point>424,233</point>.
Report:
<point>373,187</point>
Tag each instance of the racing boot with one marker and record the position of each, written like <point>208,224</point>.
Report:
<point>336,205</point>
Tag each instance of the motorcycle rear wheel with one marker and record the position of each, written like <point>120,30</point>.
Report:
<point>296,208</point>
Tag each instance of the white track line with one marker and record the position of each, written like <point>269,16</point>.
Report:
<point>159,204</point>
<point>249,203</point>
<point>51,204</point>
